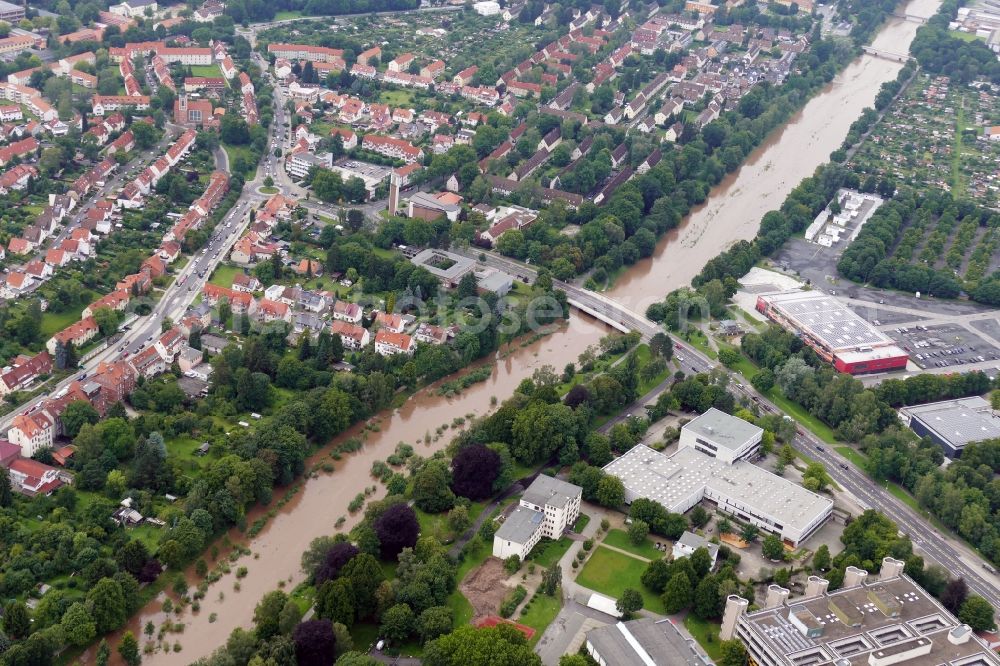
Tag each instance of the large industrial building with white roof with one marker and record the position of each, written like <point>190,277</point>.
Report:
<point>834,331</point>
<point>723,477</point>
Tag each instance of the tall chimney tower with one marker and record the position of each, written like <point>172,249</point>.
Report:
<point>394,183</point>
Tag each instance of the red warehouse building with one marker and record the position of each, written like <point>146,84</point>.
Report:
<point>835,332</point>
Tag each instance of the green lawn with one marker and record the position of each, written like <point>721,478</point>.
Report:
<point>209,71</point>
<point>286,15</point>
<point>701,630</point>
<point>548,552</point>
<point>855,457</point>
<point>232,152</point>
<point>799,413</point>
<point>964,36</point>
<point>610,573</point>
<point>269,190</point>
<point>581,522</point>
<point>224,274</point>
<point>642,355</point>
<point>53,322</point>
<point>540,613</point>
<point>619,539</point>
<point>402,98</point>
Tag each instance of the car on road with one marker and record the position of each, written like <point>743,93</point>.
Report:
<point>844,466</point>
<point>820,448</point>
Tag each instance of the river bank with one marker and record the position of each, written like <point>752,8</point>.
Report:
<point>313,511</point>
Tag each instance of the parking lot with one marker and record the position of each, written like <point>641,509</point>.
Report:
<point>943,345</point>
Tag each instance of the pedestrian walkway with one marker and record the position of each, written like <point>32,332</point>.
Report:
<point>625,552</point>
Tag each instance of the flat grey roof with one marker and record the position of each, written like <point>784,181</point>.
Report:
<point>549,491</point>
<point>9,7</point>
<point>918,615</point>
<point>520,525</point>
<point>727,431</point>
<point>958,422</point>
<point>670,480</point>
<point>643,642</point>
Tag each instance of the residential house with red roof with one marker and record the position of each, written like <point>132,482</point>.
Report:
<point>117,300</point>
<point>32,478</point>
<point>32,432</point>
<point>23,371</point>
<point>388,343</point>
<point>79,333</point>
<point>351,335</point>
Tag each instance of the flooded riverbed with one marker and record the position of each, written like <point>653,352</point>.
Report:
<point>314,510</point>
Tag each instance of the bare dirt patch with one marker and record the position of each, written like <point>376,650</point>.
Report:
<point>485,588</point>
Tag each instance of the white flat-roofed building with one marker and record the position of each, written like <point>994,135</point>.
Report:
<point>548,507</point>
<point>952,424</point>
<point>834,331</point>
<point>719,435</point>
<point>741,489</point>
<point>643,642</point>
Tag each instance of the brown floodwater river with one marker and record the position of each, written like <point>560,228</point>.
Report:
<point>732,212</point>
<point>323,498</point>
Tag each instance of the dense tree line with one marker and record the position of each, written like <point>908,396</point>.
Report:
<point>250,11</point>
<point>939,52</point>
<point>881,254</point>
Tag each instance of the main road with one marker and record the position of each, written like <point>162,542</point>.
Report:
<point>956,559</point>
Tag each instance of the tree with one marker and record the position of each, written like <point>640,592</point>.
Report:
<point>106,602</point>
<point>657,575</point>
<point>749,533</point>
<point>432,487</point>
<point>433,622</point>
<point>76,414</point>
<point>707,601</point>
<point>733,653</point>
<point>699,517</point>
<point>629,603</point>
<point>701,561</point>
<point>267,614</point>
<point>470,646</point>
<point>821,560</point>
<point>954,595</point>
<point>772,548</point>
<point>315,643</point>
<point>336,557</point>
<point>763,381</point>
<point>397,528</point>
<point>610,491</point>
<point>397,623</point>
<point>132,557</point>
<point>16,620</point>
<point>977,613</point>
<point>335,601</point>
<point>103,653</point>
<point>678,594</point>
<point>128,648</point>
<point>637,532</point>
<point>458,519</point>
<point>815,477</point>
<point>144,135</point>
<point>473,471</point>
